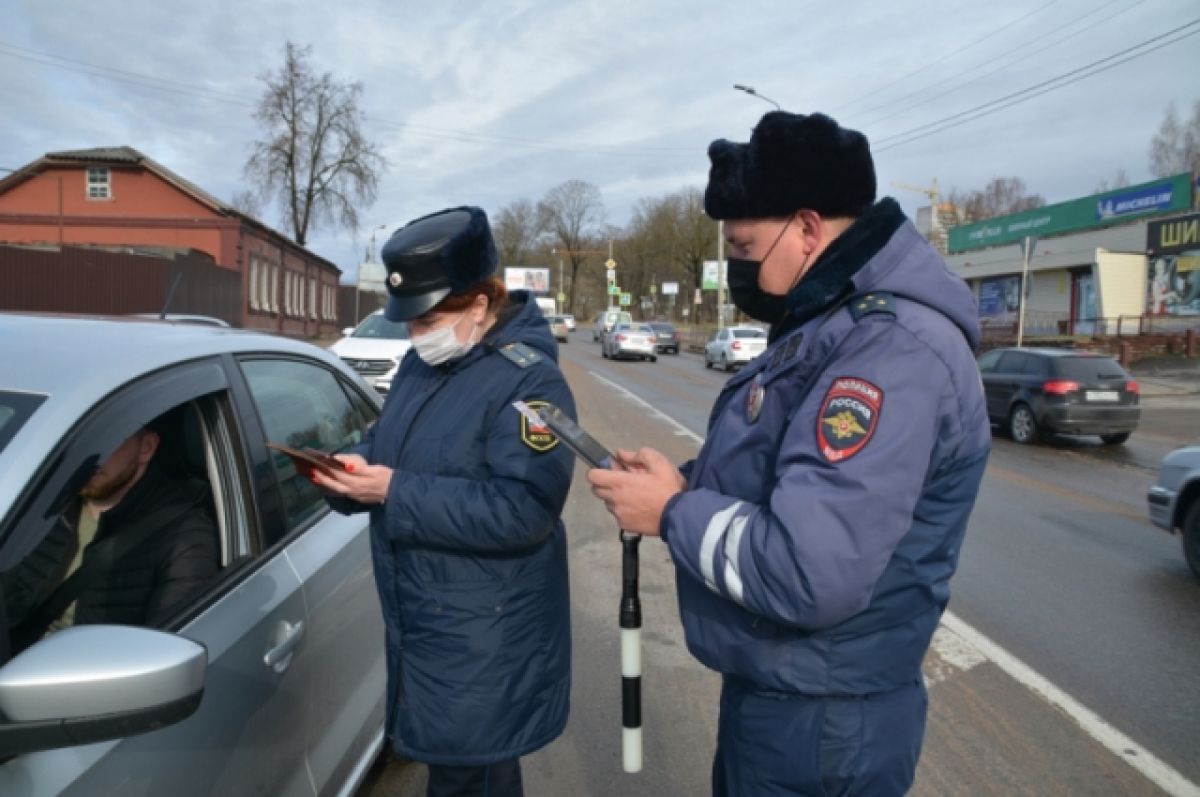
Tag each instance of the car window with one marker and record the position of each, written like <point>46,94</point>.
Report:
<point>645,330</point>
<point>1010,362</point>
<point>15,410</point>
<point>1088,369</point>
<point>301,406</point>
<point>748,333</point>
<point>376,326</point>
<point>988,360</point>
<point>1035,365</point>
<point>146,559</point>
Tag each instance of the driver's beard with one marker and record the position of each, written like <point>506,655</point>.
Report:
<point>104,485</point>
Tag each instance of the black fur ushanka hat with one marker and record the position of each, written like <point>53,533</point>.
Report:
<point>792,161</point>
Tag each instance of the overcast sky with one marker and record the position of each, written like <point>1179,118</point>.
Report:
<point>483,103</point>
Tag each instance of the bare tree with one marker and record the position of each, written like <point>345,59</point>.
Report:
<point>314,157</point>
<point>572,213</point>
<point>1175,147</point>
<point>516,230</point>
<point>1001,196</point>
<point>1120,181</point>
<point>248,203</point>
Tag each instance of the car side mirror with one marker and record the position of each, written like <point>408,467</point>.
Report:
<point>96,683</point>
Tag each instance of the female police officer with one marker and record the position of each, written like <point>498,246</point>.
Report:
<point>465,497</point>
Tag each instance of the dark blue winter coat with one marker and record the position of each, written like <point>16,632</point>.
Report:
<point>470,554</point>
<point>826,510</point>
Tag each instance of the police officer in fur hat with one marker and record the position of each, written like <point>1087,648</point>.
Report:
<point>465,497</point>
<point>815,533</point>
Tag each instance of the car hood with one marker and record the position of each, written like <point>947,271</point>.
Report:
<point>370,348</point>
<point>1187,457</point>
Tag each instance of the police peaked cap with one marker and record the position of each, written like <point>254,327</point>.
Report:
<point>436,256</point>
<point>792,161</point>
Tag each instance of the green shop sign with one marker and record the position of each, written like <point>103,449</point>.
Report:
<point>1112,207</point>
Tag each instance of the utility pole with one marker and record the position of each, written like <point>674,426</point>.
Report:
<point>720,274</point>
<point>1029,243</point>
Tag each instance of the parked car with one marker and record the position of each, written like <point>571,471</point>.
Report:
<point>270,679</point>
<point>630,340</point>
<point>605,320</point>
<point>1031,392</point>
<point>668,337</point>
<point>734,346</point>
<point>570,319</point>
<point>559,328</point>
<point>1174,500</point>
<point>374,348</point>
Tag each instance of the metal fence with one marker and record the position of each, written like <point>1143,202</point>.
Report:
<point>106,282</point>
<point>1043,324</point>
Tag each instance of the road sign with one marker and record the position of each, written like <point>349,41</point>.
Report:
<point>653,289</point>
<point>611,274</point>
<point>670,288</point>
<point>562,297</point>
<point>610,263</point>
<point>614,290</point>
<point>626,300</point>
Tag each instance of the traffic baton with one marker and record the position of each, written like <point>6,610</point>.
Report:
<point>631,655</point>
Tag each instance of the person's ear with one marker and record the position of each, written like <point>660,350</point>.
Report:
<point>810,227</point>
<point>147,446</point>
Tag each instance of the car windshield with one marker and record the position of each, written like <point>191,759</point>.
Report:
<point>748,333</point>
<point>663,327</point>
<point>15,409</point>
<point>1089,368</point>
<point>376,326</point>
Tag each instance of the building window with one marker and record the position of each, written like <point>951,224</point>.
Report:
<point>312,298</point>
<point>253,280</point>
<point>99,183</point>
<point>274,295</point>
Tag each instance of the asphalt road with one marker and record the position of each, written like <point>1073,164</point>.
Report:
<point>1068,664</point>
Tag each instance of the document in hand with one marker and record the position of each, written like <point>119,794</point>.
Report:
<point>307,460</point>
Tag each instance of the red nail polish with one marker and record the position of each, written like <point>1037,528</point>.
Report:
<point>349,467</point>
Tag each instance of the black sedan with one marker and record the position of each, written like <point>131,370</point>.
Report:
<point>1059,391</point>
<point>668,337</point>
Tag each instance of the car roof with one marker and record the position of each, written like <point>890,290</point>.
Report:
<point>1051,352</point>
<point>75,361</point>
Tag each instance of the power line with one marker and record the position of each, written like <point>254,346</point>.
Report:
<point>185,89</point>
<point>1003,65</point>
<point>942,58</point>
<point>988,108</point>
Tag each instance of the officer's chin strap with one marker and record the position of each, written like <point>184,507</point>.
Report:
<point>631,655</point>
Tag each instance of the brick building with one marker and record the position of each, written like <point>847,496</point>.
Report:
<point>117,197</point>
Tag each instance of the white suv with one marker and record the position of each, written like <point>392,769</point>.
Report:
<point>605,321</point>
<point>374,349</point>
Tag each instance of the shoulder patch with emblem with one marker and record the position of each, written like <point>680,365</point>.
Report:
<point>520,354</point>
<point>848,417</point>
<point>536,436</point>
<point>876,302</point>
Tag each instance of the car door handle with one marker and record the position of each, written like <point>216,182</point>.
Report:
<point>291,637</point>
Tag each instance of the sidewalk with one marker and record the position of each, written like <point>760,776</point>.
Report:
<point>1174,376</point>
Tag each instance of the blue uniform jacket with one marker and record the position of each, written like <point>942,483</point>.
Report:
<point>825,512</point>
<point>470,554</point>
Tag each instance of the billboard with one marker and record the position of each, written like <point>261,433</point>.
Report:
<point>1174,274</point>
<point>534,280</point>
<point>670,289</point>
<point>1101,210</point>
<point>999,296</point>
<point>708,280</point>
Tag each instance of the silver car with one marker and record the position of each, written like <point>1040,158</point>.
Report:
<point>270,679</point>
<point>630,340</point>
<point>1174,500</point>
<point>734,346</point>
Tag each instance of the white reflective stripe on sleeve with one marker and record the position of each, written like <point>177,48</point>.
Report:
<point>733,541</point>
<point>708,546</point>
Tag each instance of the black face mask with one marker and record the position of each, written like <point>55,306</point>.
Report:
<point>752,300</point>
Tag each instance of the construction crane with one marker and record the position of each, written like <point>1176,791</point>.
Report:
<point>941,215</point>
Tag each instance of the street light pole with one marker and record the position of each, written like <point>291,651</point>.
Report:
<point>1029,243</point>
<point>750,90</point>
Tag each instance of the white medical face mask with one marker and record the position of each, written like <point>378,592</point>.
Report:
<point>442,345</point>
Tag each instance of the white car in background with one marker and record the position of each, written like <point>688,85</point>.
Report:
<point>734,346</point>
<point>570,319</point>
<point>374,349</point>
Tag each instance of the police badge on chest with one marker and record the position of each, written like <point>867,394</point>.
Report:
<point>754,399</point>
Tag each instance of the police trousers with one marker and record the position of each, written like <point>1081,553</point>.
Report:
<point>771,743</point>
<point>502,779</point>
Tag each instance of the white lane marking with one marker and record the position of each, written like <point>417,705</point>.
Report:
<point>680,429</point>
<point>954,655</point>
<point>1120,745</point>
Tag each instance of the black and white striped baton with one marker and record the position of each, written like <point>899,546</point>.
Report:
<point>631,655</point>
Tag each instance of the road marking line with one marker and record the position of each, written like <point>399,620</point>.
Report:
<point>1153,768</point>
<point>680,429</point>
<point>954,655</point>
<point>1129,751</point>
